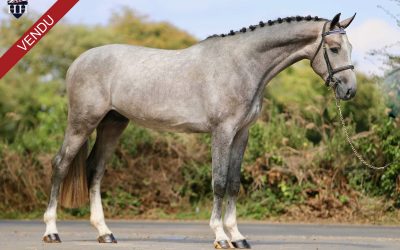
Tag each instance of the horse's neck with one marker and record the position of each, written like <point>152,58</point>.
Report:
<point>271,49</point>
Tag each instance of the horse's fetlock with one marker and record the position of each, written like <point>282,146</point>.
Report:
<point>230,222</point>
<point>48,216</point>
<point>214,224</point>
<point>95,221</point>
<point>97,218</point>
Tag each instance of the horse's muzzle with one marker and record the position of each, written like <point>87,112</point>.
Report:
<point>343,91</point>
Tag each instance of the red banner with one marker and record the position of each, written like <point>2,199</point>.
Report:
<point>33,35</point>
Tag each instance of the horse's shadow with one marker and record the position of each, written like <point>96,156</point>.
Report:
<point>254,243</point>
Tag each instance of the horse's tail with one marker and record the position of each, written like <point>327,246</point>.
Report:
<point>74,189</point>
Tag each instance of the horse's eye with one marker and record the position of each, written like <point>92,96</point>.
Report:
<point>335,50</point>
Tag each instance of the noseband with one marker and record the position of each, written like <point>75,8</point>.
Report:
<point>331,71</point>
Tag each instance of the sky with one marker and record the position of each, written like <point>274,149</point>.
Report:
<point>373,27</point>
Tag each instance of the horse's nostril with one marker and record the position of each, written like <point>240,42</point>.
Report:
<point>349,93</point>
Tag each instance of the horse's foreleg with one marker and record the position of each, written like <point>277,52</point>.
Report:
<point>108,133</point>
<point>233,187</point>
<point>73,141</point>
<point>221,148</point>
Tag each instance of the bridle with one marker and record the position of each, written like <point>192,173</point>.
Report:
<point>332,79</point>
<point>331,71</point>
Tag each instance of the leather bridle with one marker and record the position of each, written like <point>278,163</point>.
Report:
<point>331,71</point>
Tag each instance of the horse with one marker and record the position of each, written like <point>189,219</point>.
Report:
<point>215,86</point>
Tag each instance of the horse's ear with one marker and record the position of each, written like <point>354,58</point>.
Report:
<point>345,23</point>
<point>335,21</point>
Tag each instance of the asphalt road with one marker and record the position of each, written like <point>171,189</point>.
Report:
<point>197,235</point>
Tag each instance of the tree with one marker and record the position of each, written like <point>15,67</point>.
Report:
<point>391,81</point>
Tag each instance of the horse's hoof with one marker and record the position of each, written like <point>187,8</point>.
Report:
<point>107,238</point>
<point>223,244</point>
<point>52,238</point>
<point>242,244</point>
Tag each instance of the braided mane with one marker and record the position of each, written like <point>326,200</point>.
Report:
<point>262,24</point>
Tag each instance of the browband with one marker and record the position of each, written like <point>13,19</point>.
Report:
<point>335,31</point>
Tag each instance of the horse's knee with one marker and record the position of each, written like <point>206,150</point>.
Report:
<point>230,221</point>
<point>56,160</point>
<point>219,188</point>
<point>59,172</point>
<point>233,188</point>
<point>60,165</point>
<point>56,163</point>
<point>214,224</point>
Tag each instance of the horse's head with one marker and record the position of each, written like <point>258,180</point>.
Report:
<point>332,58</point>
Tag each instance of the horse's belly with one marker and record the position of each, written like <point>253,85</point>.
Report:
<point>183,127</point>
<point>169,119</point>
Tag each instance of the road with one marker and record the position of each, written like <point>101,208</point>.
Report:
<point>137,235</point>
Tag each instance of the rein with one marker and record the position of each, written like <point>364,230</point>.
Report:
<point>332,81</point>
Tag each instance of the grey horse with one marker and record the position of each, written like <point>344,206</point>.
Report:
<point>215,86</point>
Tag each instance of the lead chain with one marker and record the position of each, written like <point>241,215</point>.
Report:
<point>351,142</point>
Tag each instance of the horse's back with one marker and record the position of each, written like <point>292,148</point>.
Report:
<point>158,88</point>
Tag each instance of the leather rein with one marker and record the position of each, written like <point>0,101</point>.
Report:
<point>331,71</point>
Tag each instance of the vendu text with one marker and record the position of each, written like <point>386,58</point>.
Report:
<point>41,28</point>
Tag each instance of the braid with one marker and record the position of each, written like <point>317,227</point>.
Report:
<point>262,24</point>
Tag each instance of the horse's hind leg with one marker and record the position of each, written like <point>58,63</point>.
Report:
<point>75,138</point>
<point>108,133</point>
<point>83,118</point>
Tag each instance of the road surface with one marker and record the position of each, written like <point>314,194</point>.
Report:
<point>137,235</point>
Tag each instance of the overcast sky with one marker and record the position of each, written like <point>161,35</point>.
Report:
<point>372,28</point>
